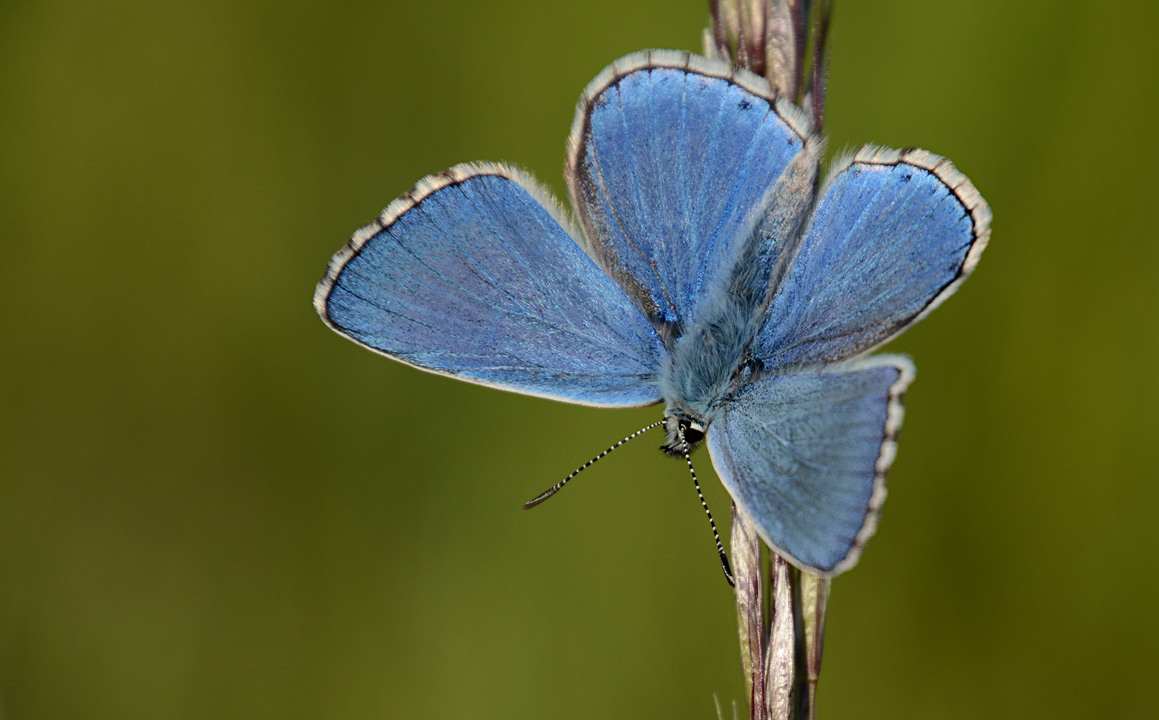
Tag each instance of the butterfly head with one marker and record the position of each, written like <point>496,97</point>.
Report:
<point>684,433</point>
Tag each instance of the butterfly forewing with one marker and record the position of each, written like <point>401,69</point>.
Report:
<point>805,455</point>
<point>473,275</point>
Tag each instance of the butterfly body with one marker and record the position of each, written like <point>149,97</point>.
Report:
<point>711,271</point>
<point>712,359</point>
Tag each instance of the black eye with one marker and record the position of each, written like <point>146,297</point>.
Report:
<point>692,435</point>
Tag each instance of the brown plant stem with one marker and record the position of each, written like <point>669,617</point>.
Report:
<point>780,646</point>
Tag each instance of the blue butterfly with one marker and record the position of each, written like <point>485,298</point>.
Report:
<point>711,271</point>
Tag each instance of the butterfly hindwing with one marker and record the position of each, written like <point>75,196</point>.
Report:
<point>472,274</point>
<point>670,159</point>
<point>892,235</point>
<point>805,455</point>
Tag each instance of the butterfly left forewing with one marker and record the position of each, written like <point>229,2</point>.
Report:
<point>805,455</point>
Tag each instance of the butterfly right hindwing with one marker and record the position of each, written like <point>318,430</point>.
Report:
<point>670,158</point>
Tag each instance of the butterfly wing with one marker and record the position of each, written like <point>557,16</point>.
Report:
<point>893,234</point>
<point>670,159</point>
<point>473,274</point>
<point>805,455</point>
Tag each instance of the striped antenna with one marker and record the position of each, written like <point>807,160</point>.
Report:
<point>704,504</point>
<point>559,485</point>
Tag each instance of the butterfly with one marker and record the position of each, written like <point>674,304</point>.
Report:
<point>710,270</point>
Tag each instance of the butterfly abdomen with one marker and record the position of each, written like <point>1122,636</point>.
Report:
<point>700,370</point>
<point>708,361</point>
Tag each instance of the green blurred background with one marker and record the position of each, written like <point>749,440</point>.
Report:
<point>212,506</point>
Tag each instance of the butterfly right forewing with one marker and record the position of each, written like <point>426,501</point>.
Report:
<point>475,275</point>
